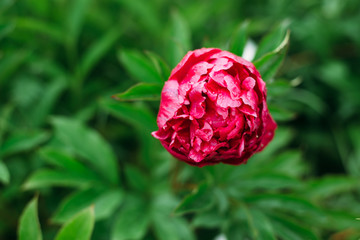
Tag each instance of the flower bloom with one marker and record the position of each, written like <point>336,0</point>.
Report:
<point>213,109</point>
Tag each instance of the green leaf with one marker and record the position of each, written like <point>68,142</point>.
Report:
<point>10,63</point>
<point>208,219</point>
<point>136,179</point>
<point>64,160</point>
<point>23,141</point>
<point>161,66</point>
<point>200,200</point>
<point>75,19</point>
<point>180,36</point>
<point>80,227</point>
<point>280,114</point>
<point>329,186</point>
<point>269,64</point>
<point>268,180</point>
<point>107,203</point>
<point>29,226</point>
<point>273,40</point>
<point>291,205</point>
<point>74,203</point>
<point>171,227</point>
<point>89,144</point>
<point>260,225</point>
<point>6,28</point>
<point>136,115</point>
<point>42,27</point>
<point>132,221</point>
<point>48,178</point>
<point>139,67</point>
<point>239,38</point>
<point>141,91</point>
<point>4,173</point>
<point>286,229</point>
<point>98,50</point>
<point>48,100</point>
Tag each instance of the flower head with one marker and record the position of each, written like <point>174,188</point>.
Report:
<point>213,109</point>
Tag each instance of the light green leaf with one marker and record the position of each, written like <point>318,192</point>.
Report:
<point>171,227</point>
<point>107,203</point>
<point>139,67</point>
<point>261,226</point>
<point>200,200</point>
<point>132,221</point>
<point>89,144</point>
<point>280,114</point>
<point>180,38</point>
<point>75,203</point>
<point>75,19</point>
<point>136,115</point>
<point>48,178</point>
<point>4,173</point>
<point>29,226</point>
<point>141,91</point>
<point>80,227</point>
<point>269,64</point>
<point>273,40</point>
<point>268,180</point>
<point>98,50</point>
<point>208,219</point>
<point>161,66</point>
<point>23,141</point>
<point>239,38</point>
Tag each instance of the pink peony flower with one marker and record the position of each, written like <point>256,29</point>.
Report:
<point>213,109</point>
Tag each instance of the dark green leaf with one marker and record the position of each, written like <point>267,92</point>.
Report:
<point>136,179</point>
<point>47,178</point>
<point>139,67</point>
<point>239,38</point>
<point>286,229</point>
<point>23,141</point>
<point>329,186</point>
<point>291,205</point>
<point>4,173</point>
<point>42,27</point>
<point>269,64</point>
<point>74,203</point>
<point>141,91</point>
<point>98,50</point>
<point>48,100</point>
<point>208,219</point>
<point>65,161</point>
<point>180,38</point>
<point>6,28</point>
<point>80,227</point>
<point>10,63</point>
<point>29,226</point>
<point>88,144</point>
<point>132,221</point>
<point>201,199</point>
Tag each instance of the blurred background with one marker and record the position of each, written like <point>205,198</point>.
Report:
<point>63,139</point>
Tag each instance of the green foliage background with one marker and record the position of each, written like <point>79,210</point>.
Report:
<point>76,164</point>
